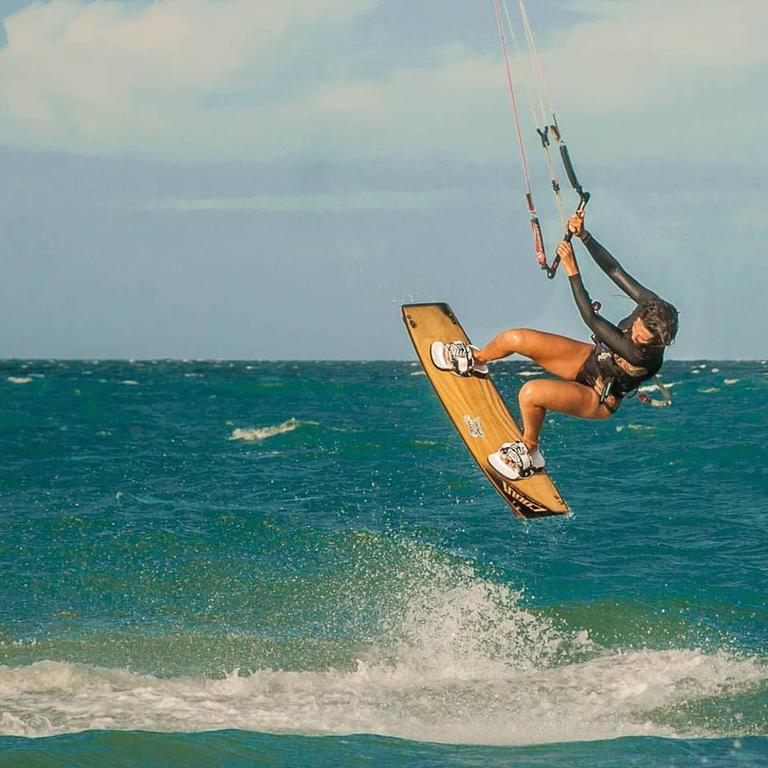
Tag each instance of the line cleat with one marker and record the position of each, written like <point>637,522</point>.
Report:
<point>457,357</point>
<point>515,461</point>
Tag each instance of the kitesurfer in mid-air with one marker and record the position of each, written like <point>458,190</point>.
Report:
<point>593,378</point>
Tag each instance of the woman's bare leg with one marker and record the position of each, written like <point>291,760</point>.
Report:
<point>541,395</point>
<point>557,354</point>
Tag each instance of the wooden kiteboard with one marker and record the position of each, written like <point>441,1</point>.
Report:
<point>478,412</point>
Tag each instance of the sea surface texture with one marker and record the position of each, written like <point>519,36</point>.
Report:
<point>298,564</point>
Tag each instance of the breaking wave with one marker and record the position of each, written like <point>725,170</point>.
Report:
<point>256,434</point>
<point>459,659</point>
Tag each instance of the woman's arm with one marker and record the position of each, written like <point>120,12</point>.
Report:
<point>604,330</point>
<point>606,261</point>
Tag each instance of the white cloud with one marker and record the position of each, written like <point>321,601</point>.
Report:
<point>106,76</point>
<point>264,79</point>
<point>686,74</point>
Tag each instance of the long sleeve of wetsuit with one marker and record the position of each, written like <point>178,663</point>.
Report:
<point>605,260</point>
<point>603,329</point>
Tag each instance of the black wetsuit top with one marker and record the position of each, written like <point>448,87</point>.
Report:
<point>616,365</point>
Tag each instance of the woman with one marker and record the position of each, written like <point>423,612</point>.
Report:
<point>593,378</point>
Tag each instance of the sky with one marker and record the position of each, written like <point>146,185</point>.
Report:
<point>262,179</point>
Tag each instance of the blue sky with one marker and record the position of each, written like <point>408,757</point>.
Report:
<point>259,179</point>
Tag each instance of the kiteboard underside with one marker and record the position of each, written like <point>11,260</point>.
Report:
<point>478,412</point>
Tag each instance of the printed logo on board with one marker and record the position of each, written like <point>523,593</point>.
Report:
<point>524,501</point>
<point>474,426</point>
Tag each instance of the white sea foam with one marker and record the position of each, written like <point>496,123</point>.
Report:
<point>709,390</point>
<point>461,660</point>
<point>256,434</point>
<point>130,383</point>
<point>429,696</point>
<point>19,379</point>
<point>418,373</point>
<point>655,388</point>
<point>730,381</point>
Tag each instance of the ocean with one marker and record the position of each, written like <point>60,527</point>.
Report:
<point>244,563</point>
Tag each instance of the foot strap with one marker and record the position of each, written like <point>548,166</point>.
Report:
<point>517,455</point>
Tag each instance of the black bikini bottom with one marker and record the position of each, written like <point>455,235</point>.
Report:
<point>590,378</point>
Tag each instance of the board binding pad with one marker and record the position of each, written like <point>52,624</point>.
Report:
<point>477,411</point>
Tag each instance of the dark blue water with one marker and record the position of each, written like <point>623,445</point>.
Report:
<point>209,563</point>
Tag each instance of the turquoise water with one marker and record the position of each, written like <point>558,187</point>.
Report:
<point>233,563</point>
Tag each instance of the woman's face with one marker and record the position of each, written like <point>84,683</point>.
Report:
<point>641,334</point>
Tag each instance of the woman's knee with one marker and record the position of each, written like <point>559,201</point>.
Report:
<point>514,338</point>
<point>529,393</point>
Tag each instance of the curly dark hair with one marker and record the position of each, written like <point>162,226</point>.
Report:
<point>660,318</point>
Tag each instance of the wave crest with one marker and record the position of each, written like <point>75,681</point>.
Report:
<point>256,434</point>
<point>454,657</point>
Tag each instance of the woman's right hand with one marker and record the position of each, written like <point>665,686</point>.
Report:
<point>576,225</point>
<point>568,259</point>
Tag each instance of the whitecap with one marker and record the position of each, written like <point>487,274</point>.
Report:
<point>731,381</point>
<point>655,388</point>
<point>19,379</point>
<point>130,383</point>
<point>418,373</point>
<point>709,390</point>
<point>256,434</point>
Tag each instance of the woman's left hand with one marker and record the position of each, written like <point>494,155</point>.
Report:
<point>568,258</point>
<point>576,225</point>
